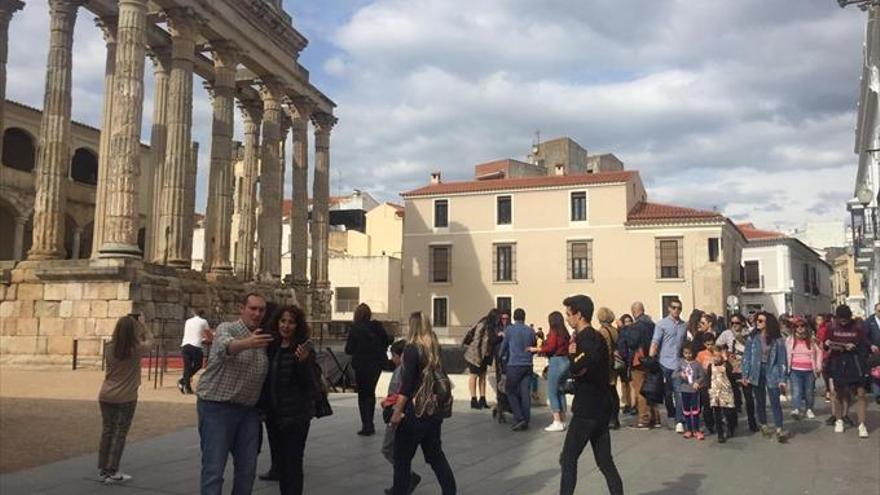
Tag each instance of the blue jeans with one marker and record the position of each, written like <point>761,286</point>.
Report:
<point>223,428</point>
<point>761,394</point>
<point>557,373</point>
<point>802,388</point>
<point>673,398</point>
<point>519,392</point>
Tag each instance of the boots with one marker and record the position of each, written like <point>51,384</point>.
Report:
<point>483,403</point>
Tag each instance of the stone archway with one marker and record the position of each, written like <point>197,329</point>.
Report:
<point>84,167</point>
<point>19,149</point>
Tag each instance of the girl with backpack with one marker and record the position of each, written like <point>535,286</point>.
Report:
<point>420,408</point>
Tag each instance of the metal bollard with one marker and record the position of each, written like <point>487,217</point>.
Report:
<point>75,352</point>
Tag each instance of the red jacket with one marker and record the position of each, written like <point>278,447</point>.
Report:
<point>555,345</point>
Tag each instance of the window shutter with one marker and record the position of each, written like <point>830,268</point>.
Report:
<point>495,262</point>
<point>513,262</point>
<point>569,260</point>
<point>658,260</point>
<point>590,260</point>
<point>680,243</point>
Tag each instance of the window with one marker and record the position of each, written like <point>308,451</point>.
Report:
<point>347,299</point>
<point>441,213</point>
<point>666,300</point>
<point>504,303</point>
<point>814,279</point>
<point>579,206</point>
<point>807,278</point>
<point>580,260</point>
<point>503,263</point>
<point>504,210</point>
<point>441,260</point>
<point>752,275</point>
<point>440,310</point>
<point>714,248</point>
<point>670,258</point>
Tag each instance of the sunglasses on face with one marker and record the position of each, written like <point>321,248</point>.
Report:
<point>736,323</point>
<point>675,308</point>
<point>761,320</point>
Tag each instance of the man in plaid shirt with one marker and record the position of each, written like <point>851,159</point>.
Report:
<point>227,396</point>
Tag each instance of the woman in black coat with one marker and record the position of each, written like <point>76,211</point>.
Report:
<point>289,395</point>
<point>367,345</point>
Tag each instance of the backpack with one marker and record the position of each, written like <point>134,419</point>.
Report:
<point>434,396</point>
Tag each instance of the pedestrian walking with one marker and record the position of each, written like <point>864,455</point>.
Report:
<point>848,345</point>
<point>609,334</point>
<point>625,332</point>
<point>804,363</point>
<point>556,350</point>
<point>518,338</point>
<point>367,345</point>
<point>479,342</point>
<point>591,408</point>
<point>764,368</point>
<point>119,393</point>
<point>638,342</point>
<point>196,331</point>
<point>670,335</point>
<point>388,408</point>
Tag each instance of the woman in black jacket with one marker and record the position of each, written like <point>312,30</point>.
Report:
<point>367,345</point>
<point>289,394</point>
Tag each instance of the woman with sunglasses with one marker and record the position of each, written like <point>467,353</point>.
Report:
<point>804,364</point>
<point>764,368</point>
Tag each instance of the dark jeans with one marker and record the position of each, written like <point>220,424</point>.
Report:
<point>748,393</point>
<point>272,438</point>
<point>724,415</point>
<point>291,446</point>
<point>116,420</point>
<point>192,363</point>
<point>411,433</point>
<point>519,392</point>
<point>580,431</point>
<point>690,403</point>
<point>615,404</point>
<point>708,417</point>
<point>673,398</point>
<point>223,428</point>
<point>761,393</point>
<point>367,377</point>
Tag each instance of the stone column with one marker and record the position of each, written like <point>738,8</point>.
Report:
<point>299,221</point>
<point>108,26</point>
<point>77,240</point>
<point>189,202</point>
<point>161,58</point>
<point>271,183</point>
<point>53,155</point>
<point>320,282</point>
<point>18,242</point>
<point>178,152</point>
<point>120,233</point>
<point>7,9</point>
<point>252,113</point>
<point>221,182</point>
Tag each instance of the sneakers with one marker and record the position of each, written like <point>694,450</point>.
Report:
<point>679,427</point>
<point>699,435</point>
<point>555,426</point>
<point>810,414</point>
<point>838,426</point>
<point>863,431</point>
<point>766,431</point>
<point>795,415</point>
<point>181,387</point>
<point>781,435</point>
<point>640,426</point>
<point>520,426</point>
<point>687,434</point>
<point>474,403</point>
<point>119,477</point>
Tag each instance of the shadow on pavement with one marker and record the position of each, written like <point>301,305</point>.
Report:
<point>688,483</point>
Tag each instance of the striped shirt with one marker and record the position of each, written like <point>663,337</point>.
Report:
<point>236,378</point>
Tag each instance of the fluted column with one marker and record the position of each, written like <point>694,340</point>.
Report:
<point>161,58</point>
<point>299,221</point>
<point>178,152</point>
<point>18,239</point>
<point>53,157</point>
<point>271,182</point>
<point>108,26</point>
<point>77,240</point>
<point>221,182</point>
<point>7,9</point>
<point>320,282</point>
<point>189,195</point>
<point>120,232</point>
<point>252,113</point>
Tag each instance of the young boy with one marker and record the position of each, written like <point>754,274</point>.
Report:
<point>691,377</point>
<point>390,399</point>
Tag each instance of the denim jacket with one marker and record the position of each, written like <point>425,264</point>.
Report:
<point>776,361</point>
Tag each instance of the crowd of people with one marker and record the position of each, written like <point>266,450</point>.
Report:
<point>262,368</point>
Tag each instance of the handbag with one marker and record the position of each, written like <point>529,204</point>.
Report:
<point>322,402</point>
<point>322,407</point>
<point>567,386</point>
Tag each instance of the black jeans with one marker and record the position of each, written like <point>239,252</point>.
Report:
<point>749,396</point>
<point>411,433</point>
<point>272,436</point>
<point>580,431</point>
<point>291,440</point>
<point>192,363</point>
<point>722,415</point>
<point>615,404</point>
<point>367,377</point>
<point>708,416</point>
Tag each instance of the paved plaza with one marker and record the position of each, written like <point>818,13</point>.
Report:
<point>489,459</point>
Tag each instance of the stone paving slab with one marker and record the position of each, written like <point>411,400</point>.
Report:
<point>488,459</point>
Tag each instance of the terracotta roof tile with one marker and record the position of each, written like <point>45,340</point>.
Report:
<point>645,212</point>
<point>520,183</point>
<point>753,233</point>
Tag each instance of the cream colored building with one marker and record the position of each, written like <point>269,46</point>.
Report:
<point>846,284</point>
<point>531,241</point>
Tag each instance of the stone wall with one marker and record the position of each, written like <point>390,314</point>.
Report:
<point>47,305</point>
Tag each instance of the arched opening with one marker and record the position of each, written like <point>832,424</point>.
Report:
<point>84,167</point>
<point>19,149</point>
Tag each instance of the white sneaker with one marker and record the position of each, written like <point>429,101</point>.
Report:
<point>679,428</point>
<point>555,426</point>
<point>810,414</point>
<point>838,426</point>
<point>783,398</point>
<point>863,431</point>
<point>796,414</point>
<point>119,477</point>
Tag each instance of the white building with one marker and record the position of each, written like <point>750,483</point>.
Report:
<point>783,275</point>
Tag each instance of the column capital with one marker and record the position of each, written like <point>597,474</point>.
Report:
<point>226,53</point>
<point>251,110</point>
<point>65,6</point>
<point>182,23</point>
<point>21,220</point>
<point>108,25</point>
<point>323,122</point>
<point>303,105</point>
<point>161,57</point>
<point>271,90</point>
<point>9,7</point>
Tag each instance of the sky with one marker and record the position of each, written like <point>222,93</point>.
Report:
<point>744,106</point>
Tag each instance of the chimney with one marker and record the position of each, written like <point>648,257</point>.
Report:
<point>560,169</point>
<point>435,178</point>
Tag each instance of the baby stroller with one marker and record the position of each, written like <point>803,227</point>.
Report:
<point>499,384</point>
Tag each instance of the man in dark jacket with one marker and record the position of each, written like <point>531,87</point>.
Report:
<point>591,409</point>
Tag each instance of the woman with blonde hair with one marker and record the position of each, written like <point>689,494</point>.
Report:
<point>119,393</point>
<point>609,333</point>
<point>418,424</point>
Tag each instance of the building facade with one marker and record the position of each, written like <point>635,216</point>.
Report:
<point>846,284</point>
<point>532,241</point>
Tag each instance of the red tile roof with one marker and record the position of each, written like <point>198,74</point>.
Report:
<point>753,233</point>
<point>287,205</point>
<point>520,183</point>
<point>645,212</point>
